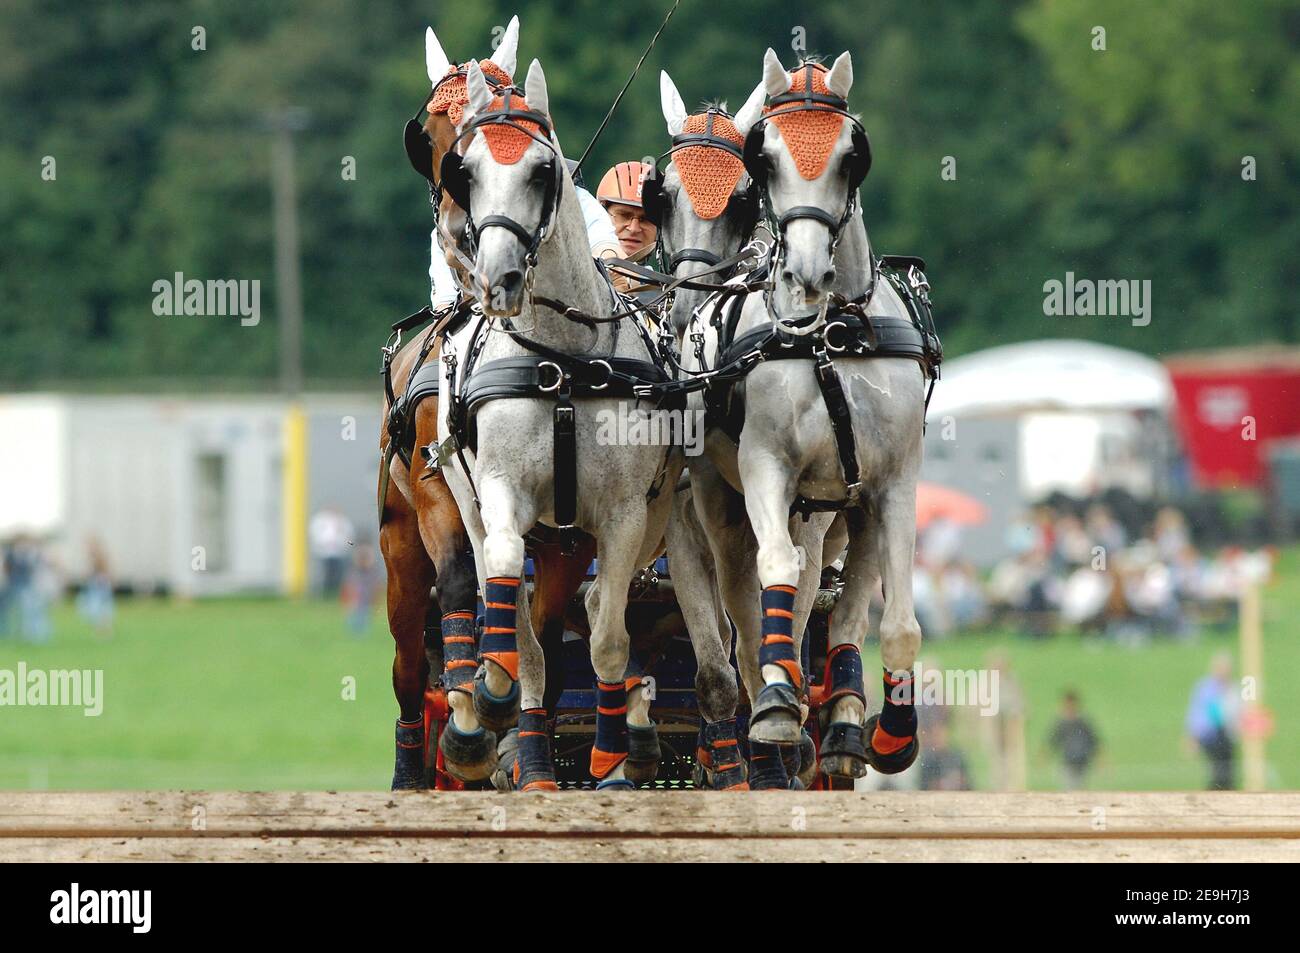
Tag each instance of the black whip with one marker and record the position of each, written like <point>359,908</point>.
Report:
<point>617,99</point>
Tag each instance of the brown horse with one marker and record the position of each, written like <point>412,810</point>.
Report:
<point>422,536</point>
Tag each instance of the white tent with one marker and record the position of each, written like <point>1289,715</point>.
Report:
<point>1065,375</point>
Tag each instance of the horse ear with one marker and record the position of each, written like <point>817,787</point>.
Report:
<point>507,51</point>
<point>775,79</point>
<point>671,102</point>
<point>480,97</point>
<point>435,60</point>
<point>749,113</point>
<point>840,79</point>
<point>535,89</point>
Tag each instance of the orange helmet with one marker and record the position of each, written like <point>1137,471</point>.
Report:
<point>622,184</point>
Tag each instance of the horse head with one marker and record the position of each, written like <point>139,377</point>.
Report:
<point>509,179</point>
<point>705,203</point>
<point>808,155</point>
<point>444,108</point>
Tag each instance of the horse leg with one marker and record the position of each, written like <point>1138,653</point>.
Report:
<point>696,584</point>
<point>512,675</point>
<point>844,739</point>
<point>776,716</point>
<point>893,742</point>
<point>468,751</point>
<point>556,581</point>
<point>620,541</point>
<point>410,576</point>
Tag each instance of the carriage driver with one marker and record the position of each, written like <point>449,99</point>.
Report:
<point>620,192</point>
<point>600,233</point>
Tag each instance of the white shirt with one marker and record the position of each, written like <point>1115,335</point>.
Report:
<point>600,233</point>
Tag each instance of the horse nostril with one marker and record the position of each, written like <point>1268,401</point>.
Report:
<point>828,277</point>
<point>511,281</point>
<point>787,276</point>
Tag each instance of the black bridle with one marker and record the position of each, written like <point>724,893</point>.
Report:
<point>859,158</point>
<point>656,203</point>
<point>455,179</point>
<point>419,147</point>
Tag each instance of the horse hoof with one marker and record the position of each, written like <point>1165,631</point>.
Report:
<point>776,718</point>
<point>495,713</point>
<point>615,784</point>
<point>807,772</point>
<point>503,776</point>
<point>844,750</point>
<point>408,766</point>
<point>642,764</point>
<point>468,757</point>
<point>894,763</point>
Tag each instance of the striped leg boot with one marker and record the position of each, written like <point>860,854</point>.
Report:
<point>844,743</point>
<point>408,766</point>
<point>767,768</point>
<point>717,756</point>
<point>466,755</point>
<point>534,770</point>
<point>498,646</point>
<point>610,748</point>
<point>894,745</point>
<point>775,717</point>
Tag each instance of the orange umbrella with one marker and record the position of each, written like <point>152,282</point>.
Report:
<point>934,501</point>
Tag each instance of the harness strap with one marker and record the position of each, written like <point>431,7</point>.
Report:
<point>566,466</point>
<point>837,407</point>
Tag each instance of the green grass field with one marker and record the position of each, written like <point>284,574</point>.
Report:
<point>247,694</point>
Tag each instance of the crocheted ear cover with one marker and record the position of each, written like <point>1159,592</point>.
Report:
<point>709,175</point>
<point>452,95</point>
<point>809,134</point>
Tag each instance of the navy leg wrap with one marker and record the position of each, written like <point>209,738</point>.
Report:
<point>898,713</point>
<point>610,748</point>
<point>777,647</point>
<point>844,673</point>
<point>766,768</point>
<point>719,752</point>
<point>459,651</point>
<point>536,771</point>
<point>499,611</point>
<point>408,768</point>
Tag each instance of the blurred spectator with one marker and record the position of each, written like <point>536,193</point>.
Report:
<point>1212,721</point>
<point>96,600</point>
<point>361,588</point>
<point>1075,741</point>
<point>330,535</point>
<point>943,767</point>
<point>6,601</point>
<point>32,586</point>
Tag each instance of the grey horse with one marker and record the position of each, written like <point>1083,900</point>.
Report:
<point>506,483</point>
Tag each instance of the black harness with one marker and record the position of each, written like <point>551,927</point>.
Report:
<point>563,378</point>
<point>848,330</point>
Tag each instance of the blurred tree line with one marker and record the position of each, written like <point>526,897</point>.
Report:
<point>1125,162</point>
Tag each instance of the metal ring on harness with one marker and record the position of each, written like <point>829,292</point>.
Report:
<point>826,336</point>
<point>559,377</point>
<point>609,372</point>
